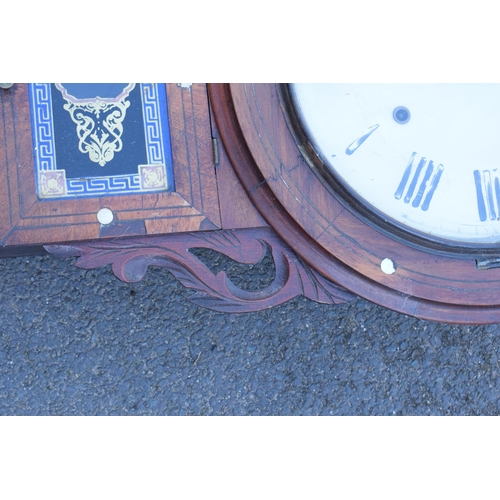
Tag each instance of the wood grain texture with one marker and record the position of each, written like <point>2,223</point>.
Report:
<point>327,236</point>
<point>6,153</point>
<point>130,259</point>
<point>25,220</point>
<point>236,209</point>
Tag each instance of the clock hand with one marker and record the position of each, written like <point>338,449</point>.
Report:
<point>355,145</point>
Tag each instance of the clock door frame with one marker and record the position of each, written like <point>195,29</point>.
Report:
<point>192,206</point>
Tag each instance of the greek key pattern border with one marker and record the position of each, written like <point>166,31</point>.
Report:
<point>96,185</point>
<point>152,123</point>
<point>155,125</point>
<point>42,125</point>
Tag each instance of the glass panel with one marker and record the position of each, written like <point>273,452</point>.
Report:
<point>424,155</point>
<point>100,139</point>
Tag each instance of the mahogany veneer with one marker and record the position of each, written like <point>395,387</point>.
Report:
<point>248,191</point>
<point>26,220</point>
<point>326,235</point>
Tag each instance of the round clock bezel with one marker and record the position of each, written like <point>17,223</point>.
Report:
<point>366,212</point>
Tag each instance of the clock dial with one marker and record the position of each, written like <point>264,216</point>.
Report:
<point>423,156</point>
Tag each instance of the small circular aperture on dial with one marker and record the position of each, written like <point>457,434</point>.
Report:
<point>401,114</point>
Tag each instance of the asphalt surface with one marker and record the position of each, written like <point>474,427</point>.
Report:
<point>80,342</point>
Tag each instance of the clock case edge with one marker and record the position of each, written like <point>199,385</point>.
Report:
<point>306,247</point>
<point>483,253</point>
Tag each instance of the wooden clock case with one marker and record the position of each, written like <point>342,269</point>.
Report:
<point>242,187</point>
<point>27,220</point>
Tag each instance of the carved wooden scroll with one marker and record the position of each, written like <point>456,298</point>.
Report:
<point>130,258</point>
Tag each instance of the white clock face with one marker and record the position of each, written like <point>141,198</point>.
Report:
<point>425,155</point>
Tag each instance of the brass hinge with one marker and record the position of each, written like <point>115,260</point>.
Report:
<point>215,149</point>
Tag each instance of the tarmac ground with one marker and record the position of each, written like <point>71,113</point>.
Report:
<point>80,342</point>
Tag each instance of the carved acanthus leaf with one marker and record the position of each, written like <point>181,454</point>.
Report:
<point>130,259</point>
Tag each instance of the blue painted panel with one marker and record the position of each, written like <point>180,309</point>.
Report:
<point>100,139</point>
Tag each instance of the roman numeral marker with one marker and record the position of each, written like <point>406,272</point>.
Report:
<point>487,194</point>
<point>432,174</point>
